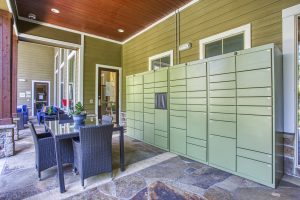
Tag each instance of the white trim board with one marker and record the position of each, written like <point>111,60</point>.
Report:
<point>246,29</point>
<point>107,39</point>
<point>67,29</point>
<point>32,93</point>
<point>161,55</point>
<point>120,88</point>
<point>161,20</point>
<point>51,42</point>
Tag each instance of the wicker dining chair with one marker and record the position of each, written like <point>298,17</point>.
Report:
<point>44,150</point>
<point>93,151</point>
<point>106,119</point>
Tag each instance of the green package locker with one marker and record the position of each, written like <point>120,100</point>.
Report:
<point>196,143</point>
<point>138,90</point>
<point>129,106</point>
<point>259,114</point>
<point>149,112</point>
<point>177,91</point>
<point>222,112</point>
<point>226,111</point>
<point>161,116</point>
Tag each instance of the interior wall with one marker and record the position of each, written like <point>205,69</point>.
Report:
<point>102,52</point>
<point>35,62</point>
<point>200,21</point>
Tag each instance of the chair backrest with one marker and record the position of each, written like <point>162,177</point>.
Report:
<point>96,142</point>
<point>33,132</point>
<point>106,119</point>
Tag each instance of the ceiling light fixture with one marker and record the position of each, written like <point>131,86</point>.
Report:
<point>32,16</point>
<point>54,10</point>
<point>121,30</point>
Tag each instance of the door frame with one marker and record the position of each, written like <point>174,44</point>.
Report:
<point>32,93</point>
<point>290,72</point>
<point>120,87</point>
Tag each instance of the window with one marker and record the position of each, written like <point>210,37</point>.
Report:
<point>62,55</point>
<point>226,42</point>
<point>71,67</point>
<point>56,61</point>
<point>56,88</point>
<point>225,45</point>
<point>161,60</point>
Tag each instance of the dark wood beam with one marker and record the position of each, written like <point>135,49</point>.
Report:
<point>5,67</point>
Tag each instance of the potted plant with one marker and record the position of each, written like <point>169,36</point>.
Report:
<point>78,113</point>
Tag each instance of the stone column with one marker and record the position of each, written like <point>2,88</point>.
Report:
<point>7,142</point>
<point>16,133</point>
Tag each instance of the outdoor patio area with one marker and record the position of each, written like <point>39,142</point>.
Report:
<point>150,174</point>
<point>150,99</point>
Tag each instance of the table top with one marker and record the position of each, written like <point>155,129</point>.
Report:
<point>68,130</point>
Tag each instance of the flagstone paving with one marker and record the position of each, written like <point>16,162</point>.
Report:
<point>159,177</point>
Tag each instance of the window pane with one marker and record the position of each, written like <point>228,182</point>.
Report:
<point>234,43</point>
<point>155,64</point>
<point>213,49</point>
<point>57,88</point>
<point>61,91</point>
<point>62,55</point>
<point>71,70</point>
<point>70,91</point>
<point>165,61</point>
<point>62,74</point>
<point>56,62</point>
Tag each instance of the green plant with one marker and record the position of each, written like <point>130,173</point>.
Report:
<point>50,110</point>
<point>78,109</point>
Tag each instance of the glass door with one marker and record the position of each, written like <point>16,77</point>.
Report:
<point>108,93</point>
<point>40,96</point>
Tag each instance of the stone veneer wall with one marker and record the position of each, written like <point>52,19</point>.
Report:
<point>7,140</point>
<point>289,155</point>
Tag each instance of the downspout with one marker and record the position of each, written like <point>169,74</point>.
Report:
<point>177,37</point>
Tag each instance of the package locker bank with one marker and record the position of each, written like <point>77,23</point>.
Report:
<point>224,111</point>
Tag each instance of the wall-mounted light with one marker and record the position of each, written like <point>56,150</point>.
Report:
<point>32,16</point>
<point>185,46</point>
<point>22,80</point>
<point>54,10</point>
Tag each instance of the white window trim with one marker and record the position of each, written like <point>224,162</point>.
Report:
<point>55,72</point>
<point>246,29</point>
<point>161,55</point>
<point>290,71</point>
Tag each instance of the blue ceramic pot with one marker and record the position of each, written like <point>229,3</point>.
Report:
<point>79,119</point>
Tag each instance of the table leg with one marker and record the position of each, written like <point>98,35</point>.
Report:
<point>60,166</point>
<point>122,156</point>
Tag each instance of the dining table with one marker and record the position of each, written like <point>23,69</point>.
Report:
<point>62,132</point>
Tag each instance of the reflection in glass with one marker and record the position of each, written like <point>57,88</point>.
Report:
<point>234,43</point>
<point>213,49</point>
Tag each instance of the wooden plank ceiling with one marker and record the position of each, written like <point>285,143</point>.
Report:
<point>100,17</point>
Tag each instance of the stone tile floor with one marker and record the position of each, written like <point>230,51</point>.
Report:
<point>151,174</point>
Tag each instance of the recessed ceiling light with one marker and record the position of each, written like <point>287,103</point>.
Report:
<point>32,16</point>
<point>54,10</point>
<point>121,30</point>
